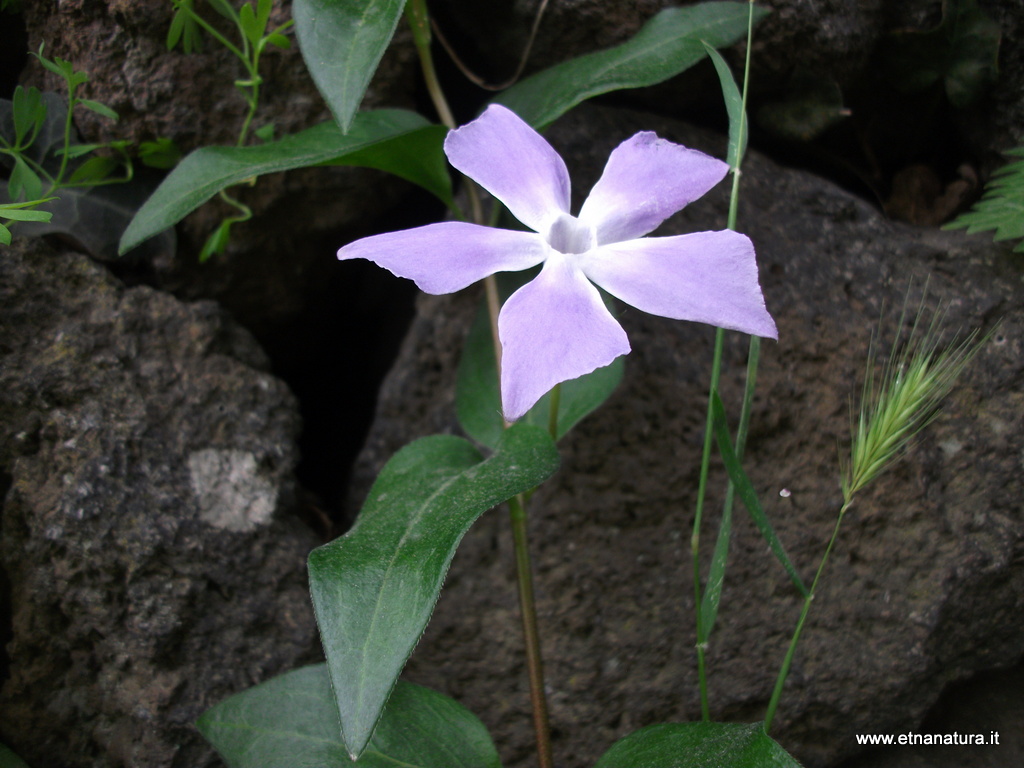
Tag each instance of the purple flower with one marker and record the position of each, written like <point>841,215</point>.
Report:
<point>556,327</point>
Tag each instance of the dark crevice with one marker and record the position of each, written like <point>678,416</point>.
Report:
<point>336,351</point>
<point>13,51</point>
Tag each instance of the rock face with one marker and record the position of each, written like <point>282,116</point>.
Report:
<point>270,273</point>
<point>926,584</point>
<point>153,563</point>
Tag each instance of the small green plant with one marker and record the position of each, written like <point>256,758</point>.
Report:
<point>895,406</point>
<point>1002,206</point>
<point>39,143</point>
<point>251,22</point>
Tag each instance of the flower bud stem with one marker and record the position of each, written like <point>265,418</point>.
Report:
<point>419,20</point>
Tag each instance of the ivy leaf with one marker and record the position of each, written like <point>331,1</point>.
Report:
<point>342,43</point>
<point>669,43</point>
<point>698,745</point>
<point>375,587</point>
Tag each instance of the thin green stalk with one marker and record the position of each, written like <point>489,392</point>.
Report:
<point>780,681</point>
<point>67,136</point>
<point>705,464</point>
<point>419,20</point>
<point>748,396</point>
<point>528,609</point>
<point>753,359</point>
<point>210,30</point>
<point>244,211</point>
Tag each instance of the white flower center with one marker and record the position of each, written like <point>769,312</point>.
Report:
<point>567,234</point>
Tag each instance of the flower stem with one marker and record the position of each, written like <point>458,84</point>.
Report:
<point>528,609</point>
<point>419,20</point>
<point>780,681</point>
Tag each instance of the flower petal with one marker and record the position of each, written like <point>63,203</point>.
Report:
<point>645,181</point>
<point>707,277</point>
<point>554,328</point>
<point>447,257</point>
<point>514,163</point>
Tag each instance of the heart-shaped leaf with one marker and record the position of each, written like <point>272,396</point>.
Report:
<point>342,42</point>
<point>375,587</point>
<point>292,721</point>
<point>698,745</point>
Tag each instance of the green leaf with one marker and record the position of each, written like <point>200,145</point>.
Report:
<point>247,23</point>
<point>184,27</point>
<point>1002,207</point>
<point>478,398</point>
<point>29,111</point>
<point>393,140</point>
<point>77,150</point>
<point>62,72</point>
<point>174,32</point>
<point>698,745</point>
<point>292,721</point>
<point>224,8</point>
<point>265,132</point>
<point>162,153</point>
<point>671,42</point>
<point>263,8</point>
<point>733,107</point>
<point>716,577</point>
<point>276,38</point>
<point>5,239</point>
<point>342,43</point>
<point>217,242</point>
<point>100,109</point>
<point>375,588</point>
<point>746,491</point>
<point>48,138</point>
<point>94,170</point>
<point>20,214</point>
<point>7,758</point>
<point>24,180</point>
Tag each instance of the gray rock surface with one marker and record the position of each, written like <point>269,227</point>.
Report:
<point>152,560</point>
<point>926,584</point>
<point>271,271</point>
